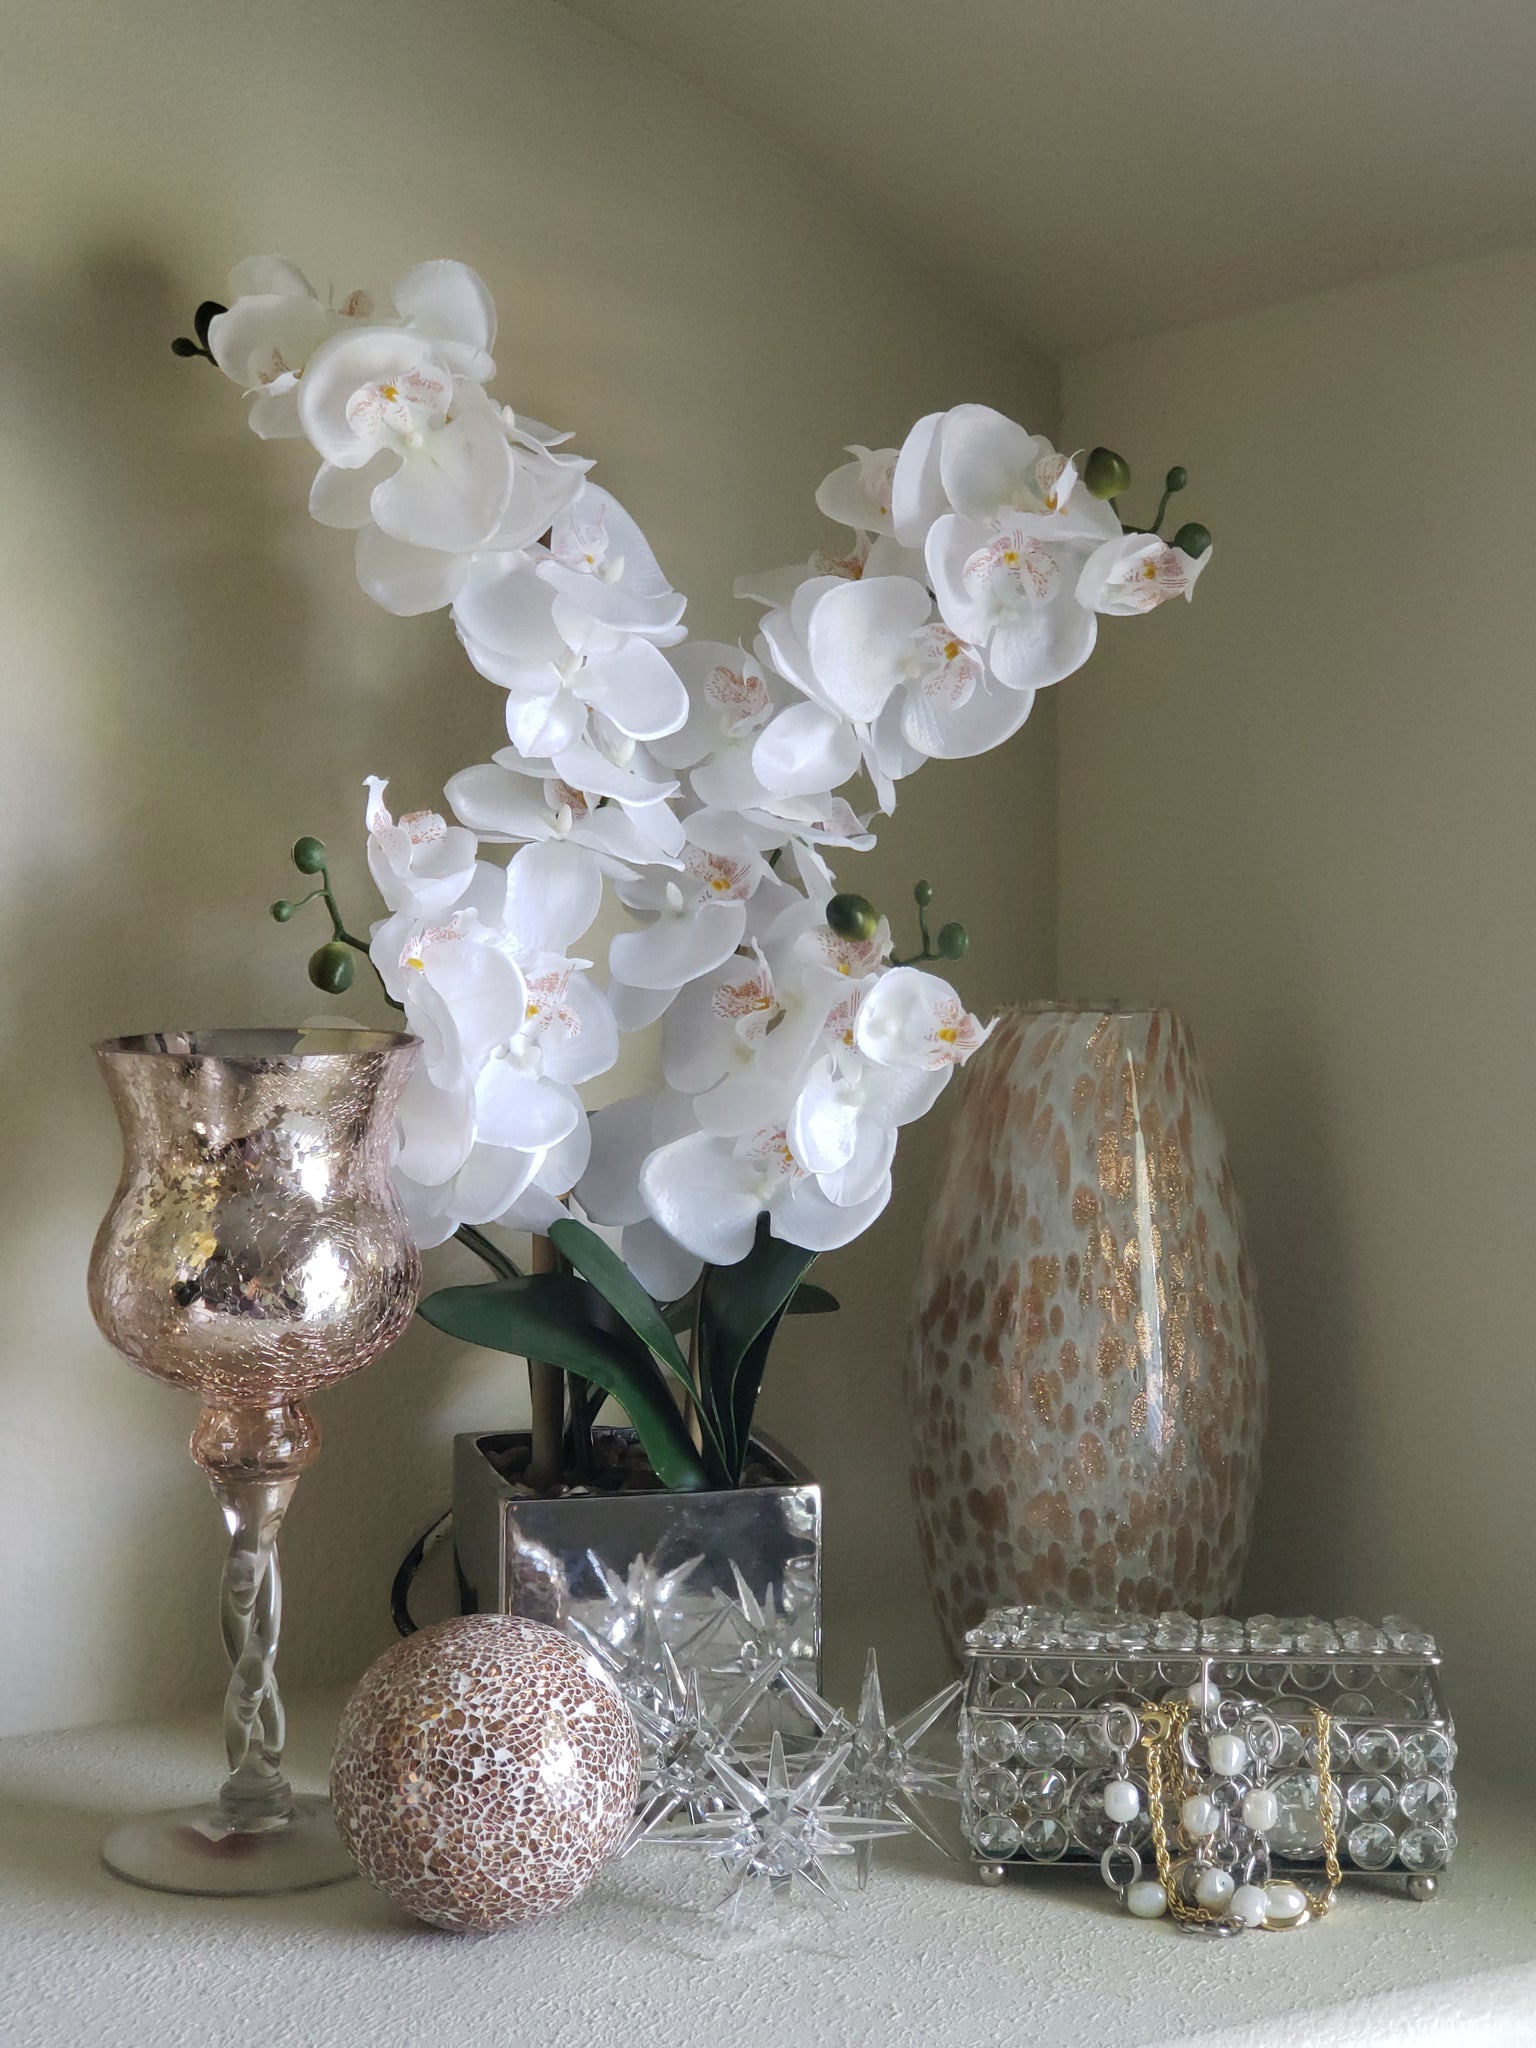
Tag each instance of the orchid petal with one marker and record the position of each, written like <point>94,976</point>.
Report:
<point>638,690</point>
<point>858,636</point>
<point>340,497</point>
<point>804,751</point>
<point>677,949</point>
<point>406,580</point>
<point>520,1110</point>
<point>452,490</point>
<point>554,891</point>
<point>917,489</point>
<point>704,1197</point>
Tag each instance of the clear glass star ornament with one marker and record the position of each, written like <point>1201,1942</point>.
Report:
<point>634,1663</point>
<point>644,1593</point>
<point>885,1774</point>
<point>680,1738</point>
<point>762,1631</point>
<point>778,1835</point>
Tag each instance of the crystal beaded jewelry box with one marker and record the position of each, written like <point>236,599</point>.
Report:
<point>1038,1747</point>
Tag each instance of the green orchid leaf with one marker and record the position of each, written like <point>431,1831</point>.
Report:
<point>749,1384</point>
<point>548,1316</point>
<point>601,1265</point>
<point>812,1301</point>
<point>738,1305</point>
<point>678,1315</point>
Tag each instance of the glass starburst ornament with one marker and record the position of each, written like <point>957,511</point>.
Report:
<point>778,1835</point>
<point>634,1663</point>
<point>680,1739</point>
<point>884,1775</point>
<point>756,1632</point>
<point>645,1595</point>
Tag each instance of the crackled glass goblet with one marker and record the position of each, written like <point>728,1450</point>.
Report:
<point>255,1251</point>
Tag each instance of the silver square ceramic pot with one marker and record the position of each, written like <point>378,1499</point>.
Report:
<point>560,1559</point>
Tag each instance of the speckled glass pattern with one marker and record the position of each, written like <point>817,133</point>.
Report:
<point>255,1249</point>
<point>1087,1380</point>
<point>485,1771</point>
<point>254,1252</point>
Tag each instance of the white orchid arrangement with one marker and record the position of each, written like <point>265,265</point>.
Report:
<point>709,787</point>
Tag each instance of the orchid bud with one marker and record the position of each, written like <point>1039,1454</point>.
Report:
<point>954,942</point>
<point>309,855</point>
<point>281,911</point>
<point>922,895</point>
<point>853,917</point>
<point>1106,474</point>
<point>1192,540</point>
<point>1176,479</point>
<point>332,968</point>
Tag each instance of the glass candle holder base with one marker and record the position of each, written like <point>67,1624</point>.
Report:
<point>194,1850</point>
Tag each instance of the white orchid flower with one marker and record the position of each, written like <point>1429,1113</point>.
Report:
<point>272,327</point>
<point>910,1019</point>
<point>883,659</point>
<point>449,304</point>
<point>624,1135</point>
<point>557,664</point>
<point>707,1193</point>
<point>480,1190</point>
<point>992,469</point>
<point>419,862</point>
<point>859,493</point>
<point>740,1041</point>
<point>601,565</point>
<point>1136,573</point>
<point>407,579</point>
<point>438,460</point>
<point>730,699</point>
<point>1012,593</point>
<point>877,555</point>
<point>698,916</point>
<point>846,1116</point>
<point>510,799</point>
<point>546,1198</point>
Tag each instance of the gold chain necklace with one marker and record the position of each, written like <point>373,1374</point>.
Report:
<point>1162,1730</point>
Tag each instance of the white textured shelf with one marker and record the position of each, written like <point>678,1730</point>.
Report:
<point>927,1957</point>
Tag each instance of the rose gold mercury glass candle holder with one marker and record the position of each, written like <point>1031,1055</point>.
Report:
<point>255,1251</point>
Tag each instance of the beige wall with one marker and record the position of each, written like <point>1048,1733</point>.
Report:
<point>1301,810</point>
<point>190,678</point>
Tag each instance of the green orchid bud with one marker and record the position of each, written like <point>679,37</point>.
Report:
<point>1192,540</point>
<point>332,968</point>
<point>1176,479</point>
<point>309,855</point>
<point>922,895</point>
<point>1106,474</point>
<point>954,942</point>
<point>853,917</point>
<point>281,910</point>
<point>181,346</point>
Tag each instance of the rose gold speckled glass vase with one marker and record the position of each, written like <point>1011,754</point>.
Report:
<point>1087,1382</point>
<point>255,1251</point>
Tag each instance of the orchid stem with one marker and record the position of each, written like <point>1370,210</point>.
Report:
<point>477,1242</point>
<point>546,1394</point>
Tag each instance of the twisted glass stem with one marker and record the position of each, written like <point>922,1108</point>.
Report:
<point>255,1794</point>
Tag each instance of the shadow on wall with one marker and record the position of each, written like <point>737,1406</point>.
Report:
<point>174,690</point>
<point>1308,1532</point>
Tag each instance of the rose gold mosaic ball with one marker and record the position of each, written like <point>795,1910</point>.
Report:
<point>484,1772</point>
